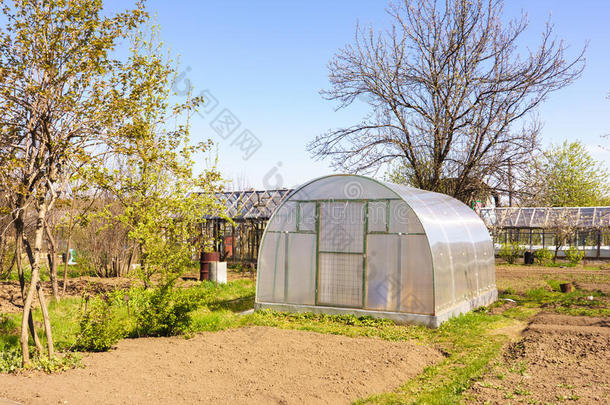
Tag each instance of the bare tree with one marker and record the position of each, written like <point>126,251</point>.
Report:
<point>564,224</point>
<point>103,244</point>
<point>81,202</point>
<point>452,99</point>
<point>7,251</point>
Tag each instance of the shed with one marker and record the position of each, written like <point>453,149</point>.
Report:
<point>351,244</point>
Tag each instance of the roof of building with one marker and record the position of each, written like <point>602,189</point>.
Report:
<point>252,204</point>
<point>546,217</point>
<point>260,205</point>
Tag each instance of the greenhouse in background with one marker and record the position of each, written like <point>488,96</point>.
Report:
<point>351,244</point>
<point>587,228</point>
<point>533,228</point>
<point>238,240</point>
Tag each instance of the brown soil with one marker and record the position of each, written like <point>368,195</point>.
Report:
<point>10,293</point>
<point>524,278</point>
<point>601,287</point>
<point>558,358</point>
<point>248,365</point>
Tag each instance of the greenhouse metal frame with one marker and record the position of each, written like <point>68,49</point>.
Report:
<point>351,244</point>
<point>535,228</point>
<point>238,240</point>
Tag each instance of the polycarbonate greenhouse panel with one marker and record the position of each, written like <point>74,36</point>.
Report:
<point>301,274</point>
<point>453,231</point>
<point>336,188</point>
<point>266,268</point>
<point>383,283</point>
<point>524,217</point>
<point>413,223</point>
<point>476,251</point>
<point>271,267</point>
<point>416,296</point>
<point>377,216</point>
<point>459,243</point>
<point>431,210</point>
<point>399,216</point>
<point>307,216</point>
<point>602,217</point>
<point>539,217</point>
<point>342,227</point>
<point>285,218</point>
<point>341,279</point>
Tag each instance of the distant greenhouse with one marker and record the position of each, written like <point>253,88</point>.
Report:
<point>238,240</point>
<point>588,228</point>
<point>351,244</point>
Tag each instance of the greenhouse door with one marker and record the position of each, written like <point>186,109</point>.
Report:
<point>341,254</point>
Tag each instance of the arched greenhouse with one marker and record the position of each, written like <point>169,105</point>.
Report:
<point>351,244</point>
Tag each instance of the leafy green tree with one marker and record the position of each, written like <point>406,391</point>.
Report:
<point>69,102</point>
<point>567,176</point>
<point>150,171</point>
<point>56,97</point>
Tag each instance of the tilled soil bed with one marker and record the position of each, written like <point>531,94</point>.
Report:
<point>10,292</point>
<point>255,365</point>
<point>524,278</point>
<point>559,358</point>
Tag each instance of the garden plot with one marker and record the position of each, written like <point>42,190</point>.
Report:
<point>246,365</point>
<point>523,278</point>
<point>559,358</point>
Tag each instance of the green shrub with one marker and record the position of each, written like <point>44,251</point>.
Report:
<point>164,311</point>
<point>10,359</point>
<point>574,255</point>
<point>554,284</point>
<point>99,327</point>
<point>511,252</point>
<point>61,363</point>
<point>543,256</point>
<point>7,325</point>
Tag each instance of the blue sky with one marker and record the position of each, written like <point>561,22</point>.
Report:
<point>265,62</point>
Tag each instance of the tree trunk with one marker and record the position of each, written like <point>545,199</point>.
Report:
<point>144,275</point>
<point>52,259</point>
<point>2,256</point>
<point>70,226</point>
<point>27,305</point>
<point>46,319</point>
<point>19,263</point>
<point>130,260</point>
<point>34,255</point>
<point>556,253</point>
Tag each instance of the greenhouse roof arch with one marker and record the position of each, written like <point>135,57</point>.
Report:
<point>352,244</point>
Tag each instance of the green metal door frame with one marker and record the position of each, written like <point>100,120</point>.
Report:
<point>363,253</point>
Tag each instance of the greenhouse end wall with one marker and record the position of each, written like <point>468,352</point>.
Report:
<point>351,244</point>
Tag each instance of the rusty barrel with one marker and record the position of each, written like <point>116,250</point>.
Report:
<point>204,264</point>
